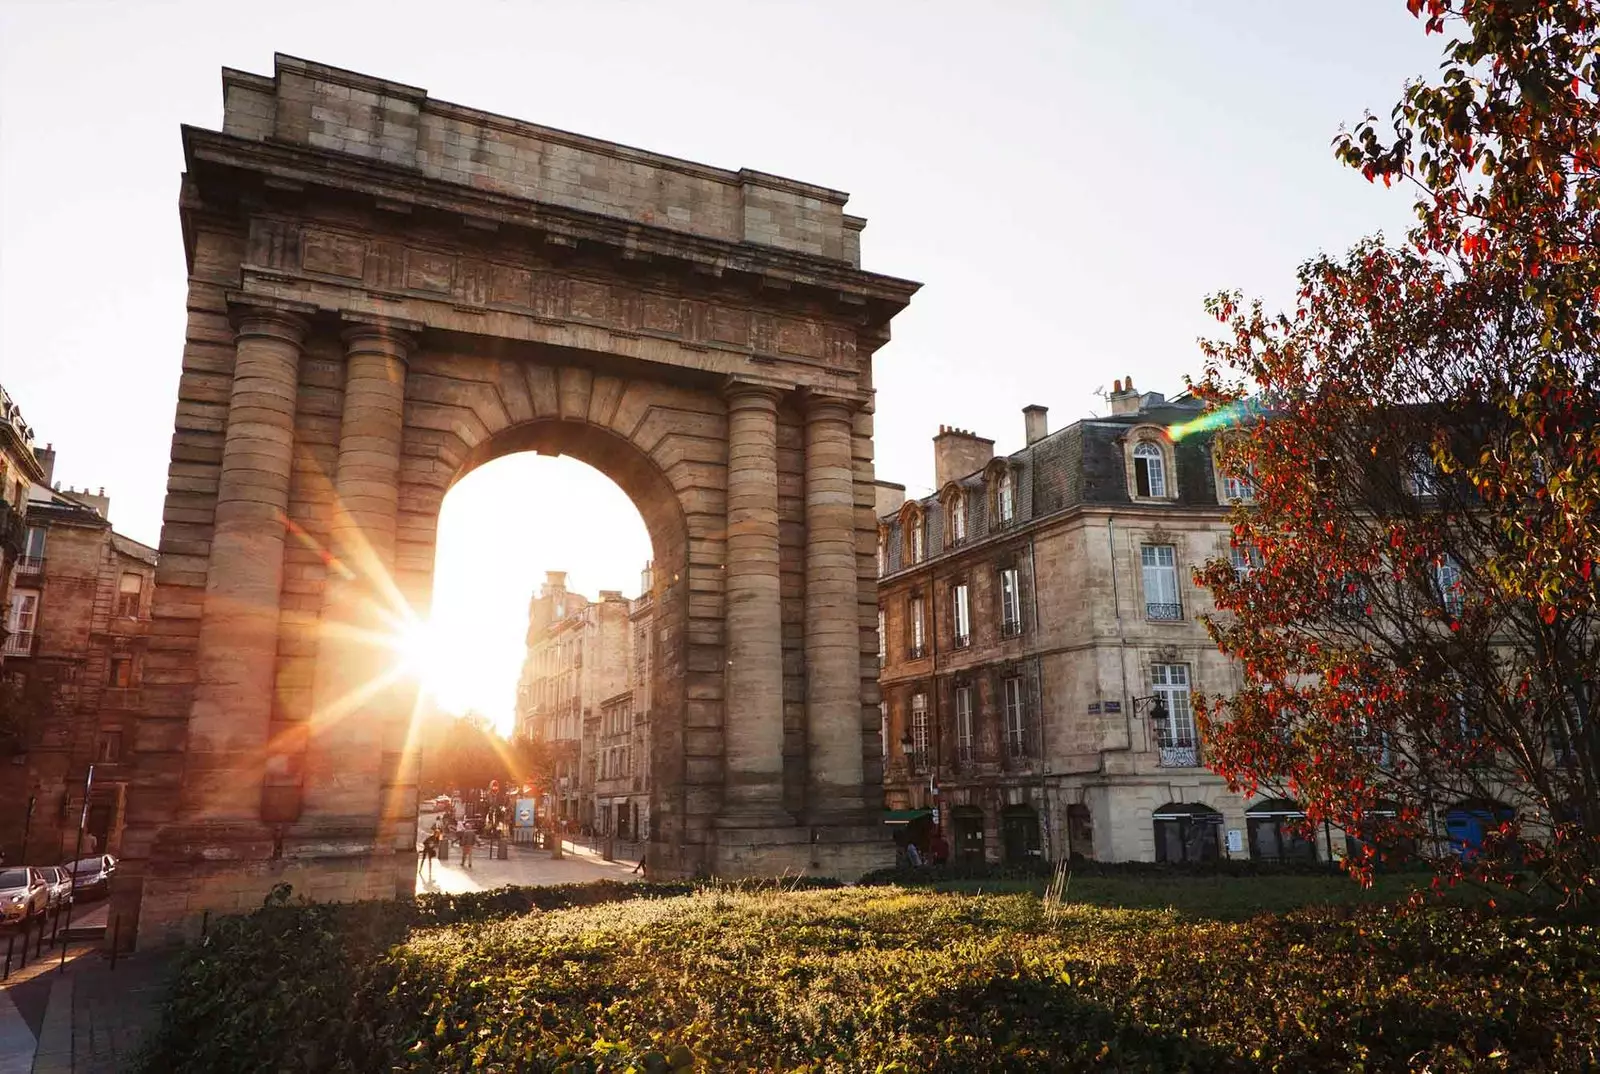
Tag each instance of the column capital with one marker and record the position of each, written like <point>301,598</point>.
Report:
<point>391,335</point>
<point>746,388</point>
<point>831,402</point>
<point>273,318</point>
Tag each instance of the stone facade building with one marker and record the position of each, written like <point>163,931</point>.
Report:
<point>79,624</point>
<point>21,467</point>
<point>1040,646</point>
<point>577,664</point>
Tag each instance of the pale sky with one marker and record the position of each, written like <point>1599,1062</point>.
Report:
<point>1068,180</point>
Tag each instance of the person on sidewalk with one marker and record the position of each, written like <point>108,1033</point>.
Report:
<point>466,840</point>
<point>430,850</point>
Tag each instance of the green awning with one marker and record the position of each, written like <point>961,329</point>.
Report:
<point>904,816</point>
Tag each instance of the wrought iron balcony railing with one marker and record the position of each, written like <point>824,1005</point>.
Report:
<point>1166,613</point>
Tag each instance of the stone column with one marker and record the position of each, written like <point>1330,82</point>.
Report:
<point>236,661</point>
<point>355,729</point>
<point>832,629</point>
<point>753,697</point>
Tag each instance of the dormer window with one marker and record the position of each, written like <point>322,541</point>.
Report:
<point>955,514</point>
<point>1423,476</point>
<point>917,538</point>
<point>883,551</point>
<point>1149,470</point>
<point>1005,496</point>
<point>914,527</point>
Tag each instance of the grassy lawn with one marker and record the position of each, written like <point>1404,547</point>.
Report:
<point>890,979</point>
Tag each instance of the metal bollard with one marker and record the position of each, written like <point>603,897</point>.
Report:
<point>205,922</point>
<point>23,963</point>
<point>55,928</point>
<point>115,938</point>
<point>38,946</point>
<point>11,942</point>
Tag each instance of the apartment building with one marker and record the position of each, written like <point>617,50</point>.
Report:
<point>1040,647</point>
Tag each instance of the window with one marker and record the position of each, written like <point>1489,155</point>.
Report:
<point>129,590</point>
<point>1160,565</point>
<point>956,507</point>
<point>919,729</point>
<point>1010,602</point>
<point>883,638</point>
<point>883,552</point>
<point>1174,733</point>
<point>1422,476</point>
<point>966,742</point>
<point>1277,830</point>
<point>1016,724</point>
<point>1240,488</point>
<point>917,639</point>
<point>1447,578</point>
<point>32,559</point>
<point>960,615</point>
<point>1149,470</point>
<point>1187,832</point>
<point>20,623</point>
<point>1005,496</point>
<point>119,672</point>
<point>916,535</point>
<point>1245,558</point>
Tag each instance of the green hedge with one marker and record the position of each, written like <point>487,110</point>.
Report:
<point>647,978</point>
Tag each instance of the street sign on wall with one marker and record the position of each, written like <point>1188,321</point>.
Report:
<point>526,813</point>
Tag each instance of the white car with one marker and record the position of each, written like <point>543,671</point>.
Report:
<point>24,894</point>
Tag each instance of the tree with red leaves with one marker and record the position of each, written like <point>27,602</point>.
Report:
<point>1421,639</point>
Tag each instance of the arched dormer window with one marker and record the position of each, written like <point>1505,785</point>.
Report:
<point>883,549</point>
<point>1002,479</point>
<point>954,499</point>
<point>1151,475</point>
<point>915,527</point>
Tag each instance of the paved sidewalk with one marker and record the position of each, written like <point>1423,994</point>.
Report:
<point>525,866</point>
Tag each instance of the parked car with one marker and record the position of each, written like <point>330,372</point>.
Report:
<point>60,882</point>
<point>24,894</point>
<point>93,875</point>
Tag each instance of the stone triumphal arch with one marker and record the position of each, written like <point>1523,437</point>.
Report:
<point>386,290</point>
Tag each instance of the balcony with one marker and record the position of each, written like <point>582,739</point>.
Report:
<point>961,641</point>
<point>916,652</point>
<point>1010,628</point>
<point>966,754</point>
<point>1178,753</point>
<point>1164,613</point>
<point>30,564</point>
<point>18,644</point>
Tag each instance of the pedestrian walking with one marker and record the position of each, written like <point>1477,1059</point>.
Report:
<point>430,850</point>
<point>467,839</point>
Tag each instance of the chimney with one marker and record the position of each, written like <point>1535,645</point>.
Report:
<point>47,462</point>
<point>888,497</point>
<point>1035,423</point>
<point>612,596</point>
<point>555,582</point>
<point>1124,400</point>
<point>957,453</point>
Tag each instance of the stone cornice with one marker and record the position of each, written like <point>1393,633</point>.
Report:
<point>402,186</point>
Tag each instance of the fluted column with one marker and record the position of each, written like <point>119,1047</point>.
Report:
<point>832,626</point>
<point>353,717</point>
<point>237,655</point>
<point>753,697</point>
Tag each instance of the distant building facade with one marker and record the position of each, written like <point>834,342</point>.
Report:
<point>21,467</point>
<point>79,618</point>
<point>1040,647</point>
<point>577,660</point>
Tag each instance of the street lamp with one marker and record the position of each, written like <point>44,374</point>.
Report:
<point>1156,705</point>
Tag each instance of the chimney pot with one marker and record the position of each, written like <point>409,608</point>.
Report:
<point>1129,381</point>
<point>1116,386</point>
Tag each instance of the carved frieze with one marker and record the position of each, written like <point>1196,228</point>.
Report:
<point>468,281</point>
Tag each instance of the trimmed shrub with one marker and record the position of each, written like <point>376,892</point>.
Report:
<point>649,978</point>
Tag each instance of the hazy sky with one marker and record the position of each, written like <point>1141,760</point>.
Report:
<point>1068,179</point>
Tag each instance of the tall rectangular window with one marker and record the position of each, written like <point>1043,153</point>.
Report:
<point>20,618</point>
<point>883,638</point>
<point>1245,558</point>
<point>966,741</point>
<point>120,671</point>
<point>1240,488</point>
<point>960,615</point>
<point>917,638</point>
<point>1160,582</point>
<point>1447,576</point>
<point>1174,731</point>
<point>1010,602</point>
<point>32,550</point>
<point>129,591</point>
<point>1149,470</point>
<point>918,535</point>
<point>1016,717</point>
<point>919,728</point>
